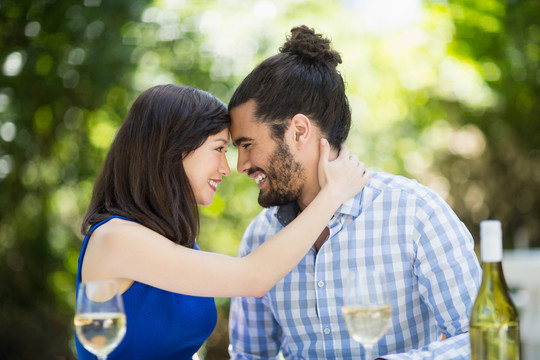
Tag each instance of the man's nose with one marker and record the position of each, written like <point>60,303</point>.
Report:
<point>243,164</point>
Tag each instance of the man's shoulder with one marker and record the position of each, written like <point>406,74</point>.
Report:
<point>417,198</point>
<point>385,182</point>
<point>265,216</point>
<point>264,225</point>
<point>393,189</point>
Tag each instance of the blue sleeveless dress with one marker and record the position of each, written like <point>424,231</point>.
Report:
<point>160,324</point>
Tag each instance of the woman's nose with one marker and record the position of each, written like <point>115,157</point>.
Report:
<point>224,167</point>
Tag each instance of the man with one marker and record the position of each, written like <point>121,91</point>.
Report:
<point>279,113</point>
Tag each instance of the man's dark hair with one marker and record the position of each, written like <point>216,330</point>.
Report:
<point>301,79</point>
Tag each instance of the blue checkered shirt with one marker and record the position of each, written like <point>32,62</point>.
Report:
<point>395,225</point>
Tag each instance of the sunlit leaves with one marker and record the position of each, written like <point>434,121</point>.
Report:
<point>61,67</point>
<point>43,119</point>
<point>102,127</point>
<point>14,63</point>
<point>44,65</point>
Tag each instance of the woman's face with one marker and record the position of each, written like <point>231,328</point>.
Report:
<point>206,165</point>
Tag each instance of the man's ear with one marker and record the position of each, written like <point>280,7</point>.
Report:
<point>301,129</point>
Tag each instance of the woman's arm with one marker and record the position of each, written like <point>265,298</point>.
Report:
<point>126,250</point>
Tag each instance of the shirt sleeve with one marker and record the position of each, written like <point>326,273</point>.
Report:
<point>254,334</point>
<point>449,275</point>
<point>253,331</point>
<point>454,348</point>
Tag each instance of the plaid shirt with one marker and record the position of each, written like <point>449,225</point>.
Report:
<point>395,225</point>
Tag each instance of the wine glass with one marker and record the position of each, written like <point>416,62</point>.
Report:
<point>366,308</point>
<point>100,321</point>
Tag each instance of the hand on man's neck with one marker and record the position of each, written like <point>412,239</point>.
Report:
<point>333,154</point>
<point>312,188</point>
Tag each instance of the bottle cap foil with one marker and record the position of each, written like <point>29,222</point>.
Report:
<point>491,241</point>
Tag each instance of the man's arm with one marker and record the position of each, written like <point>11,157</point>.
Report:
<point>455,348</point>
<point>449,275</point>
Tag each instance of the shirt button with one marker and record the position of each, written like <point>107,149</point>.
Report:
<point>327,330</point>
<point>320,283</point>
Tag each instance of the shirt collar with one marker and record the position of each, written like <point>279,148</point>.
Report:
<point>288,212</point>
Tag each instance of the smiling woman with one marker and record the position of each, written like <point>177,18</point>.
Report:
<point>205,179</point>
<point>142,223</point>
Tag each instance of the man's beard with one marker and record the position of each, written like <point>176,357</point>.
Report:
<point>285,178</point>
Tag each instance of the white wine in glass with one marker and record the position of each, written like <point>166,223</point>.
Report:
<point>366,308</point>
<point>100,321</point>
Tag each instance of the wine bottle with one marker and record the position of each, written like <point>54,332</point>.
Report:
<point>494,322</point>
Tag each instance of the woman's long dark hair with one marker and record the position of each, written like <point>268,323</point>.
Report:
<point>143,177</point>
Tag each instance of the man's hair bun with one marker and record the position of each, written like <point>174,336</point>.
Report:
<point>305,43</point>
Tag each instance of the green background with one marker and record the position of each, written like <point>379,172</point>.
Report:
<point>446,92</point>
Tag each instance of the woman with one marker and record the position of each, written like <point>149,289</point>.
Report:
<point>142,223</point>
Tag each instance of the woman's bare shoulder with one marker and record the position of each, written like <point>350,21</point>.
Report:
<point>117,227</point>
<point>119,233</point>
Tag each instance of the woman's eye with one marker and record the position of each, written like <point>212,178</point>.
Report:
<point>221,149</point>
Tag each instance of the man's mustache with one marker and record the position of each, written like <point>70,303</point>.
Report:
<point>255,169</point>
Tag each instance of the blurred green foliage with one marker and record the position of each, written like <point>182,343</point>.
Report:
<point>446,92</point>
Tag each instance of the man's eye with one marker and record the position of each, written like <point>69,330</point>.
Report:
<point>245,146</point>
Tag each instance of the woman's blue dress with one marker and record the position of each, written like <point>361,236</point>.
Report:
<point>160,324</point>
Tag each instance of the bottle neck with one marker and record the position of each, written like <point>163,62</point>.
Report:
<point>493,275</point>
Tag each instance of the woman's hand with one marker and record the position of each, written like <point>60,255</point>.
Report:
<point>345,176</point>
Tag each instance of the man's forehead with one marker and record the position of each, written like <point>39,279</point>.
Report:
<point>243,114</point>
<point>247,132</point>
<point>244,125</point>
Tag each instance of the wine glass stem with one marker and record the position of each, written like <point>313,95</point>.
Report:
<point>369,350</point>
<point>102,357</point>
